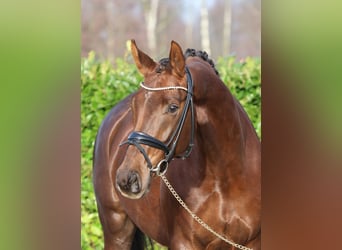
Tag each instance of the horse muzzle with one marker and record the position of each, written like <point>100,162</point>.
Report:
<point>129,184</point>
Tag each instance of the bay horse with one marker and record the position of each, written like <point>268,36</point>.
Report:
<point>185,127</point>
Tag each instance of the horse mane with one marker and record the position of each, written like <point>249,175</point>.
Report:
<point>200,54</point>
<point>164,62</point>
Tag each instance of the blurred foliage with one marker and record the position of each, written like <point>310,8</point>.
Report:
<point>103,85</point>
<point>244,82</point>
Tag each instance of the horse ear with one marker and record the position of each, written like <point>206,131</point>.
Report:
<point>144,63</point>
<point>177,59</point>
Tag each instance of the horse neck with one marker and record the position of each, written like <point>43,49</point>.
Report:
<point>221,126</point>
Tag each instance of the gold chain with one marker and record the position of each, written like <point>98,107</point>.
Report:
<point>196,218</point>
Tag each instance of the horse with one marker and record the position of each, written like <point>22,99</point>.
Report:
<point>178,161</point>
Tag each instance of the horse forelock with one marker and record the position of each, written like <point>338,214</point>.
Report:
<point>163,65</point>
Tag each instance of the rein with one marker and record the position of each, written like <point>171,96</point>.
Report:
<point>137,138</point>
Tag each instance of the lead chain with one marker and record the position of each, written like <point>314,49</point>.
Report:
<point>198,219</point>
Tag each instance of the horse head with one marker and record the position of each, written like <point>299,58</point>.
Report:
<point>163,121</point>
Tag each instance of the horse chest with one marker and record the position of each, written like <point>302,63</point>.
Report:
<point>219,213</point>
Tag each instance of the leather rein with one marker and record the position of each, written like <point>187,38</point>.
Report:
<point>137,138</point>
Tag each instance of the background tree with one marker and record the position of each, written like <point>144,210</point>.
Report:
<point>151,15</point>
<point>227,22</point>
<point>205,39</point>
<point>108,24</point>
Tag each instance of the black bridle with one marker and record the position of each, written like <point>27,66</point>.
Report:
<point>137,138</point>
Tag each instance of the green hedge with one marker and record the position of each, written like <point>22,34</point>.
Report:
<point>104,85</point>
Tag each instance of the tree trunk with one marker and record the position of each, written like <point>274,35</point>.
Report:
<point>227,23</point>
<point>188,33</point>
<point>151,16</point>
<point>205,39</point>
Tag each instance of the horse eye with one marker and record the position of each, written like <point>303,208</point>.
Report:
<point>172,108</point>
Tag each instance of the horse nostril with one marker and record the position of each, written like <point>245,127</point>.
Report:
<point>129,182</point>
<point>133,180</point>
<point>122,183</point>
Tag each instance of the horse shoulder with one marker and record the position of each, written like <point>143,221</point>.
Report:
<point>117,226</point>
<point>112,131</point>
